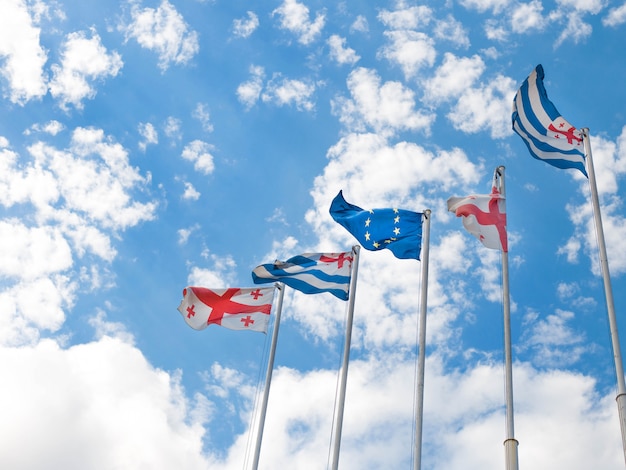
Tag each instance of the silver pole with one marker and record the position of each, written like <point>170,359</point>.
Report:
<point>608,291</point>
<point>268,377</point>
<point>510,443</point>
<point>346,358</point>
<point>419,413</point>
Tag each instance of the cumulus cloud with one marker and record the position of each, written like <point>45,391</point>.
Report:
<point>411,50</point>
<point>386,108</point>
<point>149,134</point>
<point>339,52</point>
<point>201,113</point>
<point>249,92</point>
<point>295,18</point>
<point>83,60</point>
<point>163,30</point>
<point>284,91</point>
<point>244,27</point>
<point>199,153</point>
<point>24,57</point>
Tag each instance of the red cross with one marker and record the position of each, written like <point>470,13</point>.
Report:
<point>247,321</point>
<point>340,259</point>
<point>256,294</point>
<point>569,134</point>
<point>222,304</point>
<point>493,217</point>
<point>190,312</point>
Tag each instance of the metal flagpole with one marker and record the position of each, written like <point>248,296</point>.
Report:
<point>510,443</point>
<point>346,358</point>
<point>608,291</point>
<point>417,462</point>
<point>268,377</point>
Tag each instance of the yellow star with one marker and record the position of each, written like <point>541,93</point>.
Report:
<point>367,222</point>
<point>367,236</point>
<point>396,219</point>
<point>376,245</point>
<point>396,231</point>
<point>395,211</point>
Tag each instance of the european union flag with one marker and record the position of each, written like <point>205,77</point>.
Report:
<point>397,230</point>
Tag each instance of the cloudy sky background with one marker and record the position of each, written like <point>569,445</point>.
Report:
<point>146,146</point>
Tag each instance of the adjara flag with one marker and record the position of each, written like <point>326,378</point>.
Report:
<point>548,136</point>
<point>484,216</point>
<point>234,308</point>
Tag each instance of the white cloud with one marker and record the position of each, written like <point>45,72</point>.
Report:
<point>52,127</point>
<point>483,5</point>
<point>32,252</point>
<point>615,17</point>
<point>172,128</point>
<point>83,61</point>
<point>487,107</point>
<point>294,17</point>
<point>249,92</point>
<point>149,134</point>
<point>406,18</point>
<point>244,27</point>
<point>576,30</point>
<point>411,50</point>
<point>201,113</point>
<point>185,233</point>
<point>386,108</point>
<point>220,274</point>
<point>453,77</point>
<point>452,30</point>
<point>198,152</point>
<point>20,47</point>
<point>87,394</point>
<point>527,17</point>
<point>164,31</point>
<point>285,91</point>
<point>339,52</point>
<point>360,24</point>
<point>191,193</point>
<point>553,341</point>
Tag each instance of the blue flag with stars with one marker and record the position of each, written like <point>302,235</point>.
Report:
<point>397,230</point>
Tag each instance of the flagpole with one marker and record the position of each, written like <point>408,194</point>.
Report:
<point>608,291</point>
<point>417,462</point>
<point>346,358</point>
<point>268,377</point>
<point>510,443</point>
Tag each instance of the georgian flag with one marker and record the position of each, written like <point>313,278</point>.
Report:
<point>233,308</point>
<point>484,216</point>
<point>548,136</point>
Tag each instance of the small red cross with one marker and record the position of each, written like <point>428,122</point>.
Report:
<point>247,321</point>
<point>256,294</point>
<point>190,312</point>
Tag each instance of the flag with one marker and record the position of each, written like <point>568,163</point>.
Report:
<point>395,229</point>
<point>310,273</point>
<point>233,308</point>
<point>548,136</point>
<point>484,216</point>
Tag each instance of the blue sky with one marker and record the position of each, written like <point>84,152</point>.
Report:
<point>146,146</point>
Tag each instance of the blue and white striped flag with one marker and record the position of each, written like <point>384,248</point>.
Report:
<point>311,273</point>
<point>548,136</point>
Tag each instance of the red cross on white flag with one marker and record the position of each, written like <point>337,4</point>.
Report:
<point>484,216</point>
<point>233,308</point>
